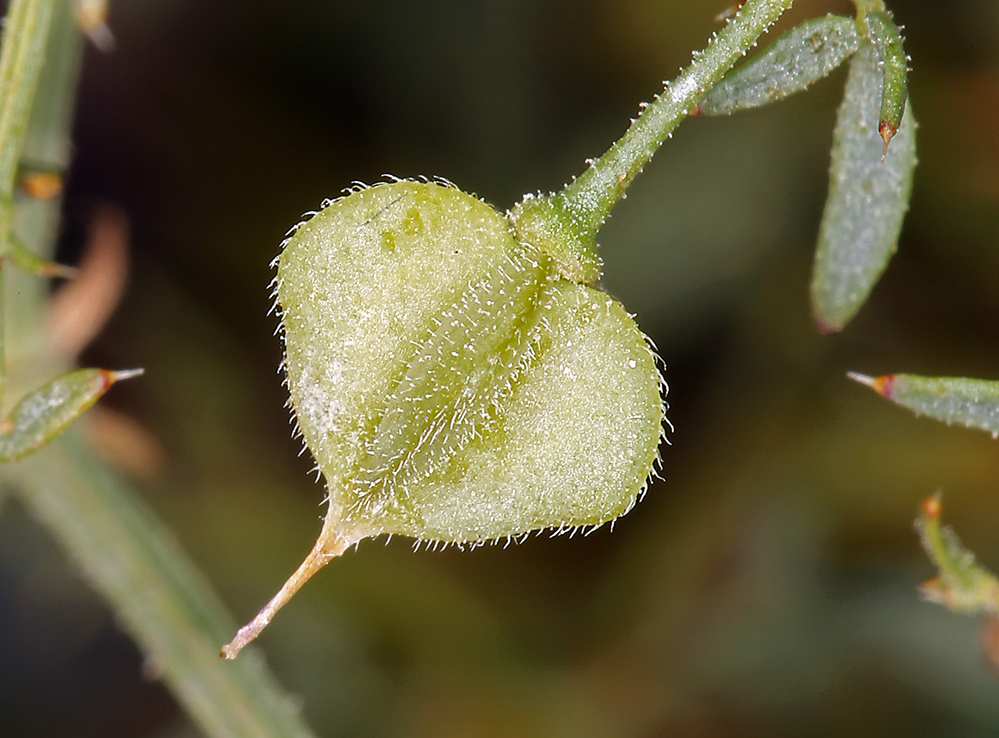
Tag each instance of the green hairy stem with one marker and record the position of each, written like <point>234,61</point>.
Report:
<point>566,224</point>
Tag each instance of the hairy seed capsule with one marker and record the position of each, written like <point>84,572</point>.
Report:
<point>449,383</point>
<point>450,386</point>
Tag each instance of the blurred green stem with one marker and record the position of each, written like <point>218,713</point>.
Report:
<point>158,593</point>
<point>159,596</point>
<point>22,53</point>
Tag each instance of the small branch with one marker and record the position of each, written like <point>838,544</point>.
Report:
<point>601,186</point>
<point>962,585</point>
<point>580,209</point>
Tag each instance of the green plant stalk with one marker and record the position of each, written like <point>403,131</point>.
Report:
<point>22,54</point>
<point>868,6</point>
<point>575,214</point>
<point>161,597</point>
<point>47,146</point>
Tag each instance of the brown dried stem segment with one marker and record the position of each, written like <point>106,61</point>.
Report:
<point>331,543</point>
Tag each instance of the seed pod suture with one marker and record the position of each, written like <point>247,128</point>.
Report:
<point>451,385</point>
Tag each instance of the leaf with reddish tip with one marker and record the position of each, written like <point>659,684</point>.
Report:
<point>867,198</point>
<point>45,413</point>
<point>970,402</point>
<point>796,60</point>
<point>887,39</point>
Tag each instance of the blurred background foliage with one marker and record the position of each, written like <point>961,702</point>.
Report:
<point>768,587</point>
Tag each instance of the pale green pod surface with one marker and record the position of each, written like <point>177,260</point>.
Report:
<point>969,402</point>
<point>867,201</point>
<point>449,384</point>
<point>796,60</point>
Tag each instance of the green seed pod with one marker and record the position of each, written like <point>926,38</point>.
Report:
<point>451,385</point>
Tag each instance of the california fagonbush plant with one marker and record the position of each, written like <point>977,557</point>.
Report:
<point>454,368</point>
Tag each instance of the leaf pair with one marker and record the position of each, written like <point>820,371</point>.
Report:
<point>869,183</point>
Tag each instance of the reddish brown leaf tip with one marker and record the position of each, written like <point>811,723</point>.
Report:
<point>933,590</point>
<point>110,377</point>
<point>887,131</point>
<point>825,328</point>
<point>931,507</point>
<point>882,385</point>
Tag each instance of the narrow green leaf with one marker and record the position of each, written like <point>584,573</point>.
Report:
<point>887,39</point>
<point>799,58</point>
<point>43,414</point>
<point>962,585</point>
<point>867,201</point>
<point>970,402</point>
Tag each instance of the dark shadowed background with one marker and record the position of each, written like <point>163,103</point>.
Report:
<point>767,588</point>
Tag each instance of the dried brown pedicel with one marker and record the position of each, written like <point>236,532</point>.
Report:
<point>451,386</point>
